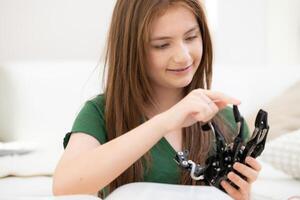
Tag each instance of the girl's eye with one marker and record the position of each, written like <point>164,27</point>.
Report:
<point>192,38</point>
<point>163,46</point>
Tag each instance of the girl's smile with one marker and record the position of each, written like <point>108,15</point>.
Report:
<point>181,71</point>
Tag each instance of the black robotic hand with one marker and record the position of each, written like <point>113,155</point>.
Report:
<point>221,163</point>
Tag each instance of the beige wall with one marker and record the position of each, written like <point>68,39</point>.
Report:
<point>53,29</point>
<point>283,36</point>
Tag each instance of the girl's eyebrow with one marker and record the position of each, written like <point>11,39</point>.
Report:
<point>168,37</point>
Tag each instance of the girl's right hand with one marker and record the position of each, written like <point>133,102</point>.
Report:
<point>199,105</point>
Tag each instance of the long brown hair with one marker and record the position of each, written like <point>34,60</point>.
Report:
<point>128,89</point>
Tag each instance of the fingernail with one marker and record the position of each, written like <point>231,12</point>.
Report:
<point>230,174</point>
<point>235,165</point>
<point>236,102</point>
<point>248,159</point>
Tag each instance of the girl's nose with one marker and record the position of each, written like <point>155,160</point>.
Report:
<point>182,55</point>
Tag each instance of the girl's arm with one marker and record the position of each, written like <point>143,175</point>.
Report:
<point>87,168</point>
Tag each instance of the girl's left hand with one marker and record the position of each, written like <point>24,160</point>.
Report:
<point>251,174</point>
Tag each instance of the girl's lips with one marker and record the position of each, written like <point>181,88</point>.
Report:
<point>180,70</point>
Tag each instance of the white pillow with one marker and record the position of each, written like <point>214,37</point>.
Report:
<point>282,119</point>
<point>283,153</point>
<point>40,162</point>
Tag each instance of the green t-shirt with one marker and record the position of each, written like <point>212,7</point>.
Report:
<point>164,169</point>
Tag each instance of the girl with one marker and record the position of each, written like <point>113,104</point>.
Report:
<point>159,58</point>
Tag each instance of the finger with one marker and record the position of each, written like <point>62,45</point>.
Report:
<point>211,104</point>
<point>220,104</point>
<point>238,181</point>
<point>204,107</point>
<point>246,171</point>
<point>205,113</point>
<point>233,192</point>
<point>204,101</point>
<point>213,95</point>
<point>252,162</point>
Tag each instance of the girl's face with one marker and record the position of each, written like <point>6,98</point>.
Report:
<point>175,48</point>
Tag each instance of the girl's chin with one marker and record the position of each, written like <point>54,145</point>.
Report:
<point>175,83</point>
<point>181,84</point>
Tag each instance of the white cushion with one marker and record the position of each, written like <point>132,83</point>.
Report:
<point>283,153</point>
<point>41,161</point>
<point>274,184</point>
<point>283,112</point>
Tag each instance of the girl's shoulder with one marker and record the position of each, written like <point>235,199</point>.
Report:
<point>90,120</point>
<point>95,105</point>
<point>98,101</point>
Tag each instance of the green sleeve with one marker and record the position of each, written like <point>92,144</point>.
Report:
<point>90,120</point>
<point>227,113</point>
